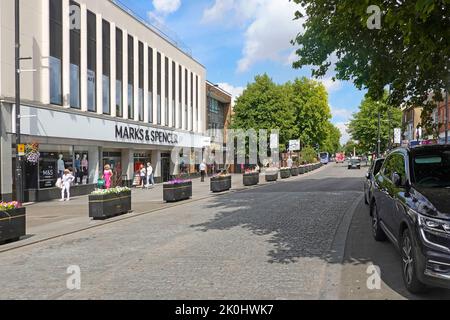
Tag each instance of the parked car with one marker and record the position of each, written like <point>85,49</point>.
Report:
<point>354,163</point>
<point>411,207</point>
<point>370,179</point>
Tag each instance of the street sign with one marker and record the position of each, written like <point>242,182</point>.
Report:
<point>294,145</point>
<point>21,150</point>
<point>397,136</point>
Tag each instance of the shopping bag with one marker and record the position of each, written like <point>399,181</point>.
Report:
<point>58,183</point>
<point>100,183</point>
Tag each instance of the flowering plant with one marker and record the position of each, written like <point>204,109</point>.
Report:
<point>178,181</point>
<point>4,206</point>
<point>32,154</point>
<point>103,192</point>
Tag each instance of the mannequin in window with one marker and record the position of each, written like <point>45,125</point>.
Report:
<point>61,166</point>
<point>78,172</point>
<point>85,168</point>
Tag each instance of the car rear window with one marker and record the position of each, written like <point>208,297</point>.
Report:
<point>432,169</point>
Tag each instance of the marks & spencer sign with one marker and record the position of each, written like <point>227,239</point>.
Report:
<point>134,134</point>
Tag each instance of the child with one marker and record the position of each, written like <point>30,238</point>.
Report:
<point>66,181</point>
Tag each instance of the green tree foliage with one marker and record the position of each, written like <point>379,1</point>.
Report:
<point>263,106</point>
<point>364,125</point>
<point>410,53</point>
<point>351,146</point>
<point>332,143</point>
<point>309,100</point>
<point>308,155</point>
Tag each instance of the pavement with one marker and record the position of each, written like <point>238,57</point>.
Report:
<point>302,238</point>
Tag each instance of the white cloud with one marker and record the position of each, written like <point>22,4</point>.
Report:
<point>269,28</point>
<point>166,6</point>
<point>330,85</point>
<point>343,128</point>
<point>235,91</point>
<point>340,113</point>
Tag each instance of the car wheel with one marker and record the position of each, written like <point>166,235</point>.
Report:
<point>409,269</point>
<point>377,232</point>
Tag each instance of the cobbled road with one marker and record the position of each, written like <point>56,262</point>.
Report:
<point>281,241</point>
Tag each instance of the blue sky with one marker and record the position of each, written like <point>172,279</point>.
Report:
<point>236,40</point>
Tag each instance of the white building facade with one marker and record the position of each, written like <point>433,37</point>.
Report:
<point>106,89</point>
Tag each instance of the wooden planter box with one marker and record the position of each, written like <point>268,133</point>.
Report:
<point>177,192</point>
<point>284,174</point>
<point>271,176</point>
<point>220,184</point>
<point>251,179</point>
<point>295,171</point>
<point>108,206</point>
<point>12,225</point>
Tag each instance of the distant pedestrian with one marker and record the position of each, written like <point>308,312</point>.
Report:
<point>66,182</point>
<point>142,176</point>
<point>150,179</point>
<point>290,163</point>
<point>203,168</point>
<point>107,176</point>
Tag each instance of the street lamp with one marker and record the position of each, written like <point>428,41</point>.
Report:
<point>19,160</point>
<point>379,131</point>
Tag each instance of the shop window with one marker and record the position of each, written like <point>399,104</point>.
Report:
<point>106,43</point>
<point>55,59</point>
<point>150,85</point>
<point>75,65</point>
<point>119,73</point>
<point>92,60</point>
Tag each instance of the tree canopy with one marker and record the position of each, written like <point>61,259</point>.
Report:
<point>298,109</point>
<point>363,126</point>
<point>410,53</point>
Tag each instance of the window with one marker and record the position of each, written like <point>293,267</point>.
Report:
<point>130,77</point>
<point>395,164</point>
<point>92,60</point>
<point>158,89</point>
<point>166,89</point>
<point>106,35</point>
<point>180,97</point>
<point>141,81</point>
<point>186,101</point>
<point>196,99</point>
<point>55,52</point>
<point>75,65</point>
<point>119,73</point>
<point>174,90</point>
<point>192,102</point>
<point>150,85</point>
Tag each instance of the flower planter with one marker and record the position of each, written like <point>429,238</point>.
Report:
<point>12,225</point>
<point>251,179</point>
<point>295,171</point>
<point>220,184</point>
<point>271,176</point>
<point>285,174</point>
<point>177,192</point>
<point>109,205</point>
<point>302,170</point>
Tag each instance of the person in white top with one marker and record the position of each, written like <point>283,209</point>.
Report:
<point>290,163</point>
<point>66,181</point>
<point>150,176</point>
<point>203,170</point>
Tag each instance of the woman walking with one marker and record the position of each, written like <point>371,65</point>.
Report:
<point>150,179</point>
<point>107,176</point>
<point>66,181</point>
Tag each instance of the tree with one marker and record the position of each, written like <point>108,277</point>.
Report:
<point>263,105</point>
<point>351,146</point>
<point>410,53</point>
<point>364,125</point>
<point>309,100</point>
<point>332,143</point>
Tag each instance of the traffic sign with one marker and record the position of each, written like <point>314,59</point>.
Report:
<point>21,150</point>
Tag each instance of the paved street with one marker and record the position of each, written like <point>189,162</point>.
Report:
<point>280,241</point>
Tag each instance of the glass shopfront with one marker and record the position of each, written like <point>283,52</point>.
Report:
<point>43,171</point>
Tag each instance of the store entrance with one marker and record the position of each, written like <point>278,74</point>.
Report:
<point>165,167</point>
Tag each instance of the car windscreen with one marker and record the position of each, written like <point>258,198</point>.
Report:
<point>431,170</point>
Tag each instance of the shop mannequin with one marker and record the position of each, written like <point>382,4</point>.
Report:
<point>78,172</point>
<point>84,168</point>
<point>61,166</point>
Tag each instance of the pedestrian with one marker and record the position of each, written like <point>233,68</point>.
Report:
<point>203,170</point>
<point>150,178</point>
<point>142,176</point>
<point>107,176</point>
<point>290,163</point>
<point>66,181</point>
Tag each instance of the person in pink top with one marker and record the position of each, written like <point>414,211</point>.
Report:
<point>107,176</point>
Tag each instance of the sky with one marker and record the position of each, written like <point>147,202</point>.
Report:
<point>238,39</point>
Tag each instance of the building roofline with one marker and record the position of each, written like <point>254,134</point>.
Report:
<point>187,52</point>
<point>218,88</point>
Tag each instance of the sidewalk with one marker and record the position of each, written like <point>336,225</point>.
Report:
<point>53,219</point>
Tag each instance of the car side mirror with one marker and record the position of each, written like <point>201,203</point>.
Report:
<point>397,179</point>
<point>368,175</point>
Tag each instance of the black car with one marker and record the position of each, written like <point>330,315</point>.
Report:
<point>371,174</point>
<point>354,163</point>
<point>411,206</point>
